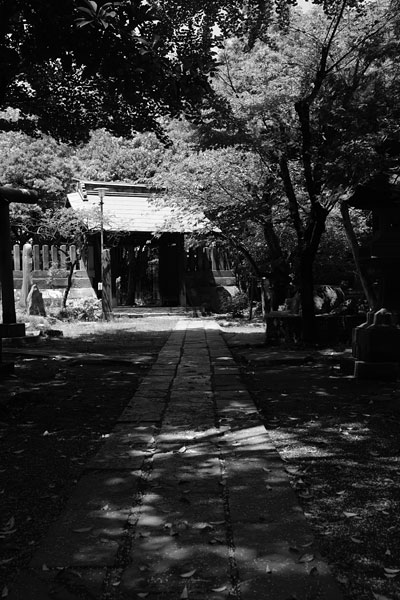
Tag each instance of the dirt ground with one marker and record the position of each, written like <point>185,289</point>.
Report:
<point>60,405</point>
<point>340,440</point>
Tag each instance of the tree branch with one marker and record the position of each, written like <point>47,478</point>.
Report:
<point>355,250</point>
<point>242,249</point>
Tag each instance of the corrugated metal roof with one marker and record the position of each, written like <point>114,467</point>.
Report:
<point>126,207</point>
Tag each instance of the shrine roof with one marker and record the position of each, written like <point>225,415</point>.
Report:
<point>379,193</point>
<point>126,207</point>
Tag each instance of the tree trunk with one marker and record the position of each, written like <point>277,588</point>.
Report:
<point>312,239</point>
<point>71,266</point>
<point>279,275</point>
<point>131,291</point>
<point>306,277</point>
<point>279,283</point>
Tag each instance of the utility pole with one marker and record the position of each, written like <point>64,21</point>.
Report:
<point>105,262</point>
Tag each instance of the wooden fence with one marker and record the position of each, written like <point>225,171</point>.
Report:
<point>50,257</point>
<point>50,266</point>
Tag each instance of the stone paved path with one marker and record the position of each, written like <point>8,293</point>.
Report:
<point>186,499</point>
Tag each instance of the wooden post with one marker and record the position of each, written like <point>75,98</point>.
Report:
<point>191,260</point>
<point>214,258</point>
<point>54,257</point>
<point>9,325</point>
<point>63,256</point>
<point>45,257</point>
<point>90,261</point>
<point>72,253</point>
<point>36,257</point>
<point>17,257</point>
<point>106,295</point>
<point>6,266</point>
<point>182,270</point>
<point>200,258</point>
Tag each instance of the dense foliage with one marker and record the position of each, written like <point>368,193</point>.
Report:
<point>287,113</point>
<point>317,105</point>
<point>73,66</point>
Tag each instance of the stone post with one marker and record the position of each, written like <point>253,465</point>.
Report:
<point>27,261</point>
<point>376,347</point>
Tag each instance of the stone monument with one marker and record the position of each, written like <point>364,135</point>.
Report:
<point>376,343</point>
<point>27,264</point>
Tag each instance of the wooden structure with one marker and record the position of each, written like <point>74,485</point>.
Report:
<point>8,195</point>
<point>376,343</point>
<point>151,264</point>
<point>50,270</point>
<point>9,327</point>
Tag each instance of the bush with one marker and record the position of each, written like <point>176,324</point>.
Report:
<point>239,303</point>
<point>86,310</point>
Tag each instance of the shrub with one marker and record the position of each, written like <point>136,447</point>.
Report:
<point>86,310</point>
<point>239,303</point>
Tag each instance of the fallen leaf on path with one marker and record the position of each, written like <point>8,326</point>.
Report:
<point>144,534</point>
<point>216,540</point>
<point>380,597</point>
<point>188,574</point>
<point>82,529</point>
<point>350,515</point>
<point>292,470</point>
<point>219,589</point>
<point>305,558</point>
<point>9,525</point>
<point>389,571</point>
<point>4,593</point>
<point>203,526</point>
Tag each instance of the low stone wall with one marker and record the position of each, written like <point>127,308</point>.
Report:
<point>285,327</point>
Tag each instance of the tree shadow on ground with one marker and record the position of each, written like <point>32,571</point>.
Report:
<point>340,438</point>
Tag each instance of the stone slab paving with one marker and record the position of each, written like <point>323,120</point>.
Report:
<point>187,499</point>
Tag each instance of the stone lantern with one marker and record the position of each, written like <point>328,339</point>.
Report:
<point>376,343</point>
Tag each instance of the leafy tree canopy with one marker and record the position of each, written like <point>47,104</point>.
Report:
<point>72,66</point>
